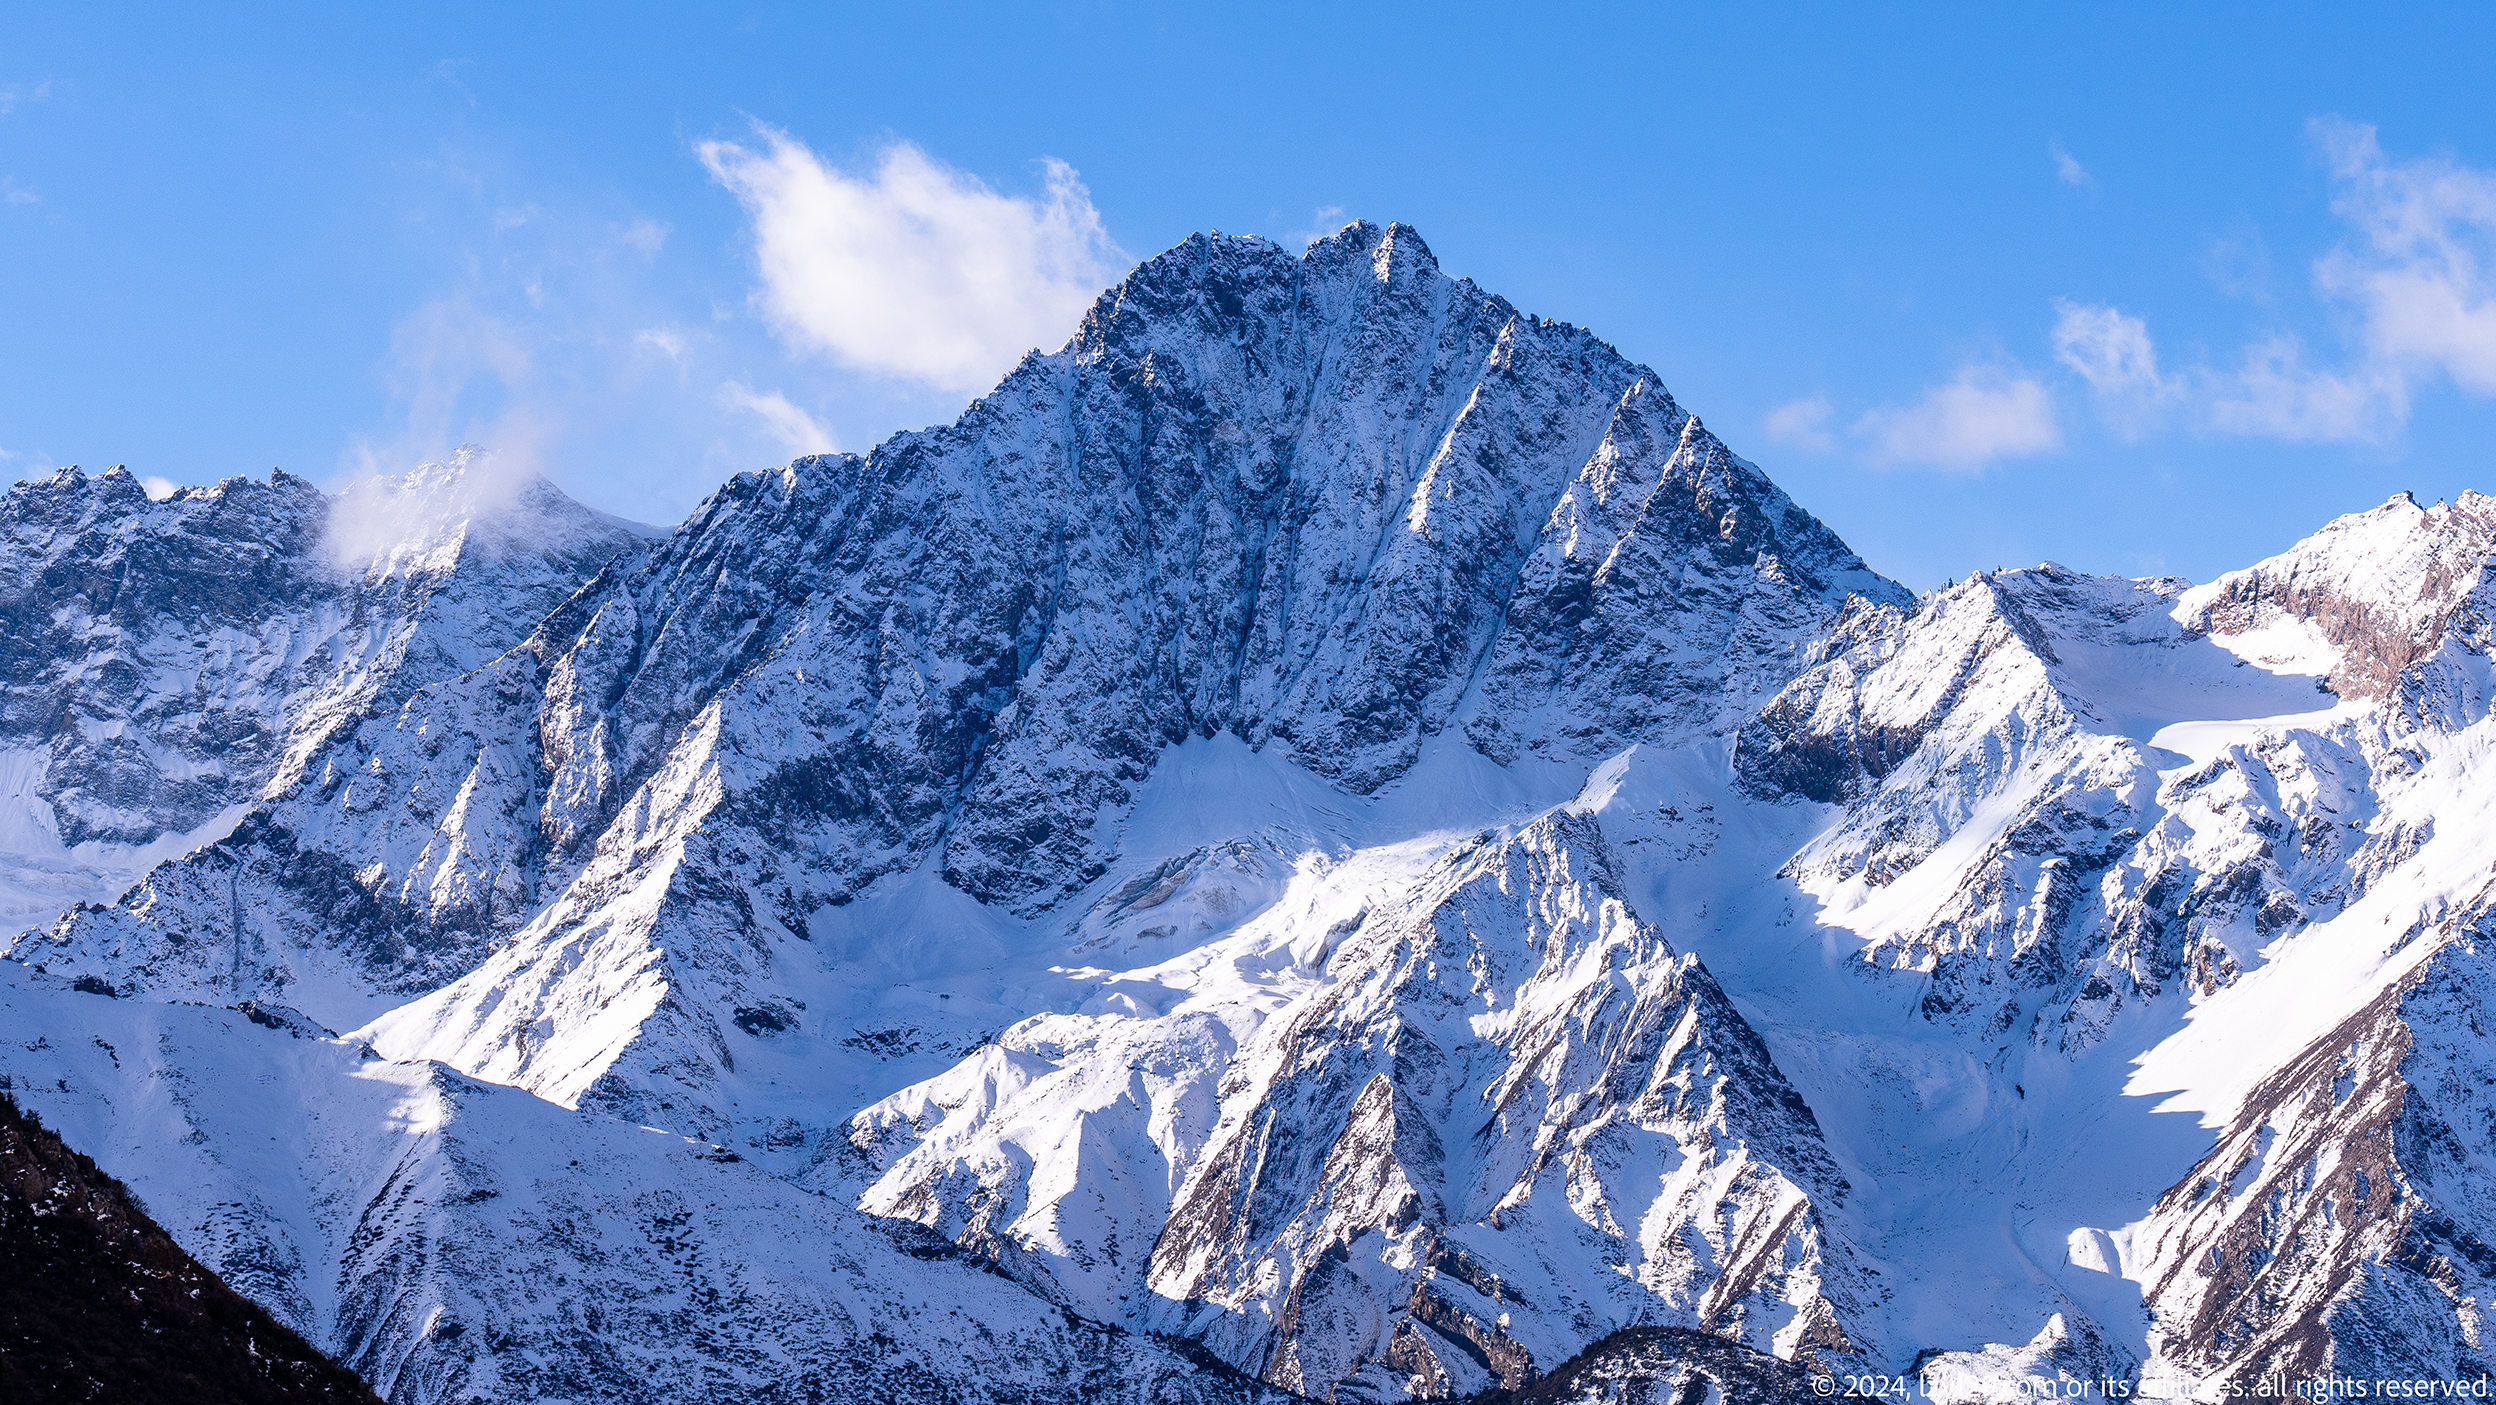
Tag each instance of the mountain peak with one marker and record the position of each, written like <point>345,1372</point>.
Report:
<point>473,499</point>
<point>2361,599</point>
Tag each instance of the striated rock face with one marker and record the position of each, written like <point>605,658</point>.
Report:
<point>1510,1087</point>
<point>1326,837</point>
<point>2340,1225</point>
<point>166,665</point>
<point>1481,1118</point>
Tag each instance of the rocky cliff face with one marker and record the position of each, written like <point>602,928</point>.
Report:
<point>1326,837</point>
<point>1479,1114</point>
<point>168,665</point>
<point>2338,1226</point>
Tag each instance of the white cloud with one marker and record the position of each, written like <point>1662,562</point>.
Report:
<point>159,489</point>
<point>2273,394</point>
<point>646,237</point>
<point>1802,424</point>
<point>2419,274</point>
<point>2114,354</point>
<point>791,426</point>
<point>463,375</point>
<point>1323,221</point>
<point>919,271</point>
<point>1980,416</point>
<point>2424,277</point>
<point>10,97</point>
<point>2111,351</point>
<point>15,194</point>
<point>443,355</point>
<point>2277,396</point>
<point>2066,169</point>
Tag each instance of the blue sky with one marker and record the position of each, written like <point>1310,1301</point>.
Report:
<point>2140,289</point>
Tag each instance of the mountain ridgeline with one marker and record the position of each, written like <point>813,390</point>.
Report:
<point>1325,840</point>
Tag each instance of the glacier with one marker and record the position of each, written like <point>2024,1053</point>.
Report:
<point>1326,840</point>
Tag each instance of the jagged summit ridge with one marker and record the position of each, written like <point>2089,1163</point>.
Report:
<point>2364,598</point>
<point>169,663</point>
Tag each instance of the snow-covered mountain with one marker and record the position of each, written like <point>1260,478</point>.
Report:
<point>169,664</point>
<point>1327,838</point>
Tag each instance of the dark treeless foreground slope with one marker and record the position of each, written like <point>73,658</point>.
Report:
<point>98,1303</point>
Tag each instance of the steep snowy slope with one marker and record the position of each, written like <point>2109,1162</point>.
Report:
<point>454,1241</point>
<point>1442,1114</point>
<point>167,664</point>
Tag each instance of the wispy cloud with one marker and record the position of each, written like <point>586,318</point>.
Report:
<point>667,341</point>
<point>2067,168</point>
<point>2417,275</point>
<point>2239,264</point>
<point>451,362</point>
<point>1802,424</point>
<point>11,193</point>
<point>1323,221</point>
<point>463,374</point>
<point>916,271</point>
<point>2421,273</point>
<point>645,237</point>
<point>11,97</point>
<point>559,340</point>
<point>22,464</point>
<point>2114,354</point>
<point>1982,415</point>
<point>2274,394</point>
<point>792,427</point>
